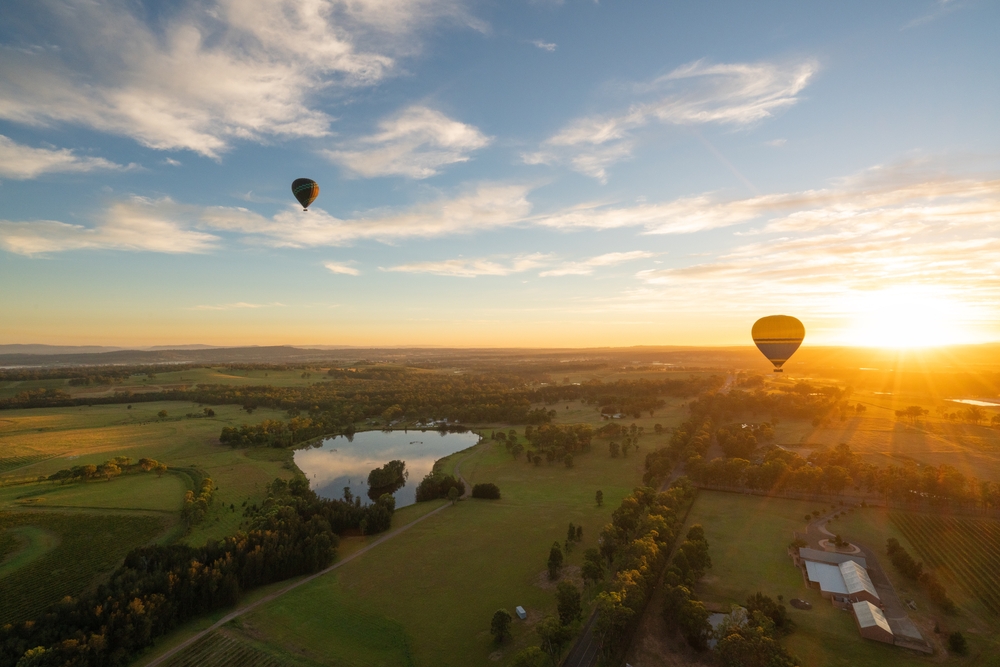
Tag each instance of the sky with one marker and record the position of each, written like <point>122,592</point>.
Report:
<point>513,173</point>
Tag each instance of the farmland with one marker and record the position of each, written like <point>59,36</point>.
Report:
<point>463,563</point>
<point>966,550</point>
<point>65,553</point>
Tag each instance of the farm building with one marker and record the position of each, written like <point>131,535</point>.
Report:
<point>815,555</point>
<point>872,623</point>
<point>840,578</point>
<point>847,582</point>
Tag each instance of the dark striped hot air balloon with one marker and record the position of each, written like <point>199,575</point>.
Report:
<point>305,190</point>
<point>777,337</point>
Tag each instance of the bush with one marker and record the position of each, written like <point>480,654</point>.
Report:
<point>487,491</point>
<point>436,485</point>
<point>957,643</point>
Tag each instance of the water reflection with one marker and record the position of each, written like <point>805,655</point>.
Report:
<point>346,461</point>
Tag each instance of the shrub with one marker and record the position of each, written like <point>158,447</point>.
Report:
<point>487,491</point>
<point>957,643</point>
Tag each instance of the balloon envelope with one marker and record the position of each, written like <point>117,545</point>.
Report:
<point>777,337</point>
<point>305,190</point>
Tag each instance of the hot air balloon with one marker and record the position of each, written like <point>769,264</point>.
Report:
<point>777,337</point>
<point>305,190</point>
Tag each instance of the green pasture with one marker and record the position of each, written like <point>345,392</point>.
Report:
<point>66,552</point>
<point>430,592</point>
<point>134,491</point>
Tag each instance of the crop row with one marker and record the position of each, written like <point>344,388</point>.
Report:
<point>88,547</point>
<point>966,548</point>
<point>218,650</point>
<point>11,462</point>
<point>965,559</point>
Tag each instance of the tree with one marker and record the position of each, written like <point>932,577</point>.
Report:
<point>162,414</point>
<point>500,625</point>
<point>568,460</point>
<point>555,562</point>
<point>592,569</point>
<point>599,497</point>
<point>554,636</point>
<point>614,448</point>
<point>209,412</point>
<point>692,619</point>
<point>110,470</point>
<point>771,609</point>
<point>486,490</point>
<point>957,643</point>
<point>571,533</point>
<point>453,494</point>
<point>529,657</point>
<point>568,602</point>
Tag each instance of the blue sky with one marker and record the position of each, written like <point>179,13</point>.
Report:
<point>507,174</point>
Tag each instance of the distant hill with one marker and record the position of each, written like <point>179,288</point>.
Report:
<point>56,349</point>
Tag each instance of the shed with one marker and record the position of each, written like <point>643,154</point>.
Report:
<point>521,613</point>
<point>847,582</point>
<point>871,622</point>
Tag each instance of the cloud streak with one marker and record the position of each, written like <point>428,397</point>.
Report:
<point>698,93</point>
<point>587,266</point>
<point>20,162</point>
<point>474,267</point>
<point>416,143</point>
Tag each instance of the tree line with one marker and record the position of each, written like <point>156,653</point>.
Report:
<point>108,470</point>
<point>834,470</point>
<point>294,532</point>
<point>635,546</point>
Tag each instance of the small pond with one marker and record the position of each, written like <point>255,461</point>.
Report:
<point>972,401</point>
<point>346,460</point>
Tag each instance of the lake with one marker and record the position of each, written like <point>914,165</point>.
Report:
<point>972,401</point>
<point>346,460</point>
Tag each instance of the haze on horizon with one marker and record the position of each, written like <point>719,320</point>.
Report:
<point>527,174</point>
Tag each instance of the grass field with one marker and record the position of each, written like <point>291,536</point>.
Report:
<point>968,550</point>
<point>65,553</point>
<point>426,597</point>
<point>63,437</point>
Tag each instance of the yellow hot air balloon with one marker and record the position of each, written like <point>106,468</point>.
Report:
<point>777,337</point>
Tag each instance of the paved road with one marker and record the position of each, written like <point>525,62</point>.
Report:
<point>273,596</point>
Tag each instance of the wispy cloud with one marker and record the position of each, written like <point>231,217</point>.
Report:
<point>696,93</point>
<point>239,306</point>
<point>544,46</point>
<point>20,162</point>
<point>587,266</point>
<point>338,267</point>
<point>473,267</point>
<point>215,72</point>
<point>137,224</point>
<point>416,143</point>
<point>938,9</point>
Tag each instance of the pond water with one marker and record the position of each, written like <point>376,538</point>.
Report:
<point>346,460</point>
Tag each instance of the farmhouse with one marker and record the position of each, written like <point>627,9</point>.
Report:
<point>871,622</point>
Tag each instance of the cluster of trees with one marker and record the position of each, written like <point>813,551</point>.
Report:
<point>107,470</point>
<point>388,479</point>
<point>692,438</point>
<point>634,546</point>
<point>196,507</point>
<point>486,491</point>
<point>750,637</point>
<point>84,375</point>
<point>631,397</point>
<point>834,470</point>
<point>160,587</point>
<point>555,632</point>
<point>681,609</point>
<point>438,485</point>
<point>802,401</point>
<point>741,440</point>
<point>911,569</point>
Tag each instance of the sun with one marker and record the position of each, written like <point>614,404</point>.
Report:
<point>906,317</point>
